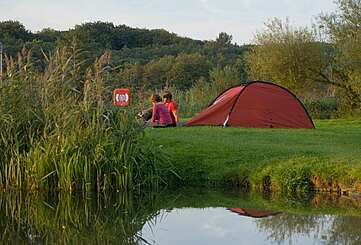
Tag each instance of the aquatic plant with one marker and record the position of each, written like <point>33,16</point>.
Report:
<point>59,129</point>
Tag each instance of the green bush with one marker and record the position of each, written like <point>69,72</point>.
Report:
<point>322,108</point>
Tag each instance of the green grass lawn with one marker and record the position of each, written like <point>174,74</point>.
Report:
<point>329,156</point>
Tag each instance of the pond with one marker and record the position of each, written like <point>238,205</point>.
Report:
<point>186,216</point>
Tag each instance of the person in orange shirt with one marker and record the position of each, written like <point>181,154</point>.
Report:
<point>172,107</point>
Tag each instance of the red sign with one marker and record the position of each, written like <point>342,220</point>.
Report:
<point>121,97</point>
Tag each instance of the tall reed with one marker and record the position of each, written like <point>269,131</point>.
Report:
<point>59,130</point>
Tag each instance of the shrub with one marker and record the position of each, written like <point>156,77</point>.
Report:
<point>322,108</point>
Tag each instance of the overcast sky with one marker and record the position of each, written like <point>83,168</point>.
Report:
<point>199,19</point>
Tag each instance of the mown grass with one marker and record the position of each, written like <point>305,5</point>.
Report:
<point>327,158</point>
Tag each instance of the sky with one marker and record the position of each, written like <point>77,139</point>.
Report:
<point>197,19</point>
<point>213,226</point>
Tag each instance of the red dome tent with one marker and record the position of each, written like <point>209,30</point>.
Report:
<point>255,105</point>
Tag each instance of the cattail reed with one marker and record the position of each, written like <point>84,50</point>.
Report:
<point>59,130</point>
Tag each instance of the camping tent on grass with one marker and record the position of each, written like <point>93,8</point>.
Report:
<point>255,105</point>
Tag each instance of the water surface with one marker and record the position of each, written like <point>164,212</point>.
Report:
<point>188,216</point>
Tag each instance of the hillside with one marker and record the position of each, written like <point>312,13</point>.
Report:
<point>164,58</point>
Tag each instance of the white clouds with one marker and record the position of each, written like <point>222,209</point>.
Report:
<point>209,226</point>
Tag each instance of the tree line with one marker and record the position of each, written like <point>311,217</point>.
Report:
<point>319,63</point>
<point>162,57</point>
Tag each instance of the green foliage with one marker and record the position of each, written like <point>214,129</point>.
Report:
<point>143,58</point>
<point>224,39</point>
<point>343,29</point>
<point>61,131</point>
<point>14,35</point>
<point>313,61</point>
<point>156,72</point>
<point>204,91</point>
<point>187,69</point>
<point>181,72</point>
<point>292,175</point>
<point>323,108</point>
<point>198,97</point>
<point>290,56</point>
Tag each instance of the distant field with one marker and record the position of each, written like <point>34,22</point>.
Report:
<point>328,157</point>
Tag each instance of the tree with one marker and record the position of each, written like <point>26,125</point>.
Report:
<point>299,59</point>
<point>50,35</point>
<point>15,30</point>
<point>13,35</point>
<point>224,39</point>
<point>94,36</point>
<point>187,69</point>
<point>140,57</point>
<point>155,72</point>
<point>131,75</point>
<point>224,78</point>
<point>292,57</point>
<point>343,28</point>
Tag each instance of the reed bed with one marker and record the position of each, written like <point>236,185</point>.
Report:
<point>59,130</point>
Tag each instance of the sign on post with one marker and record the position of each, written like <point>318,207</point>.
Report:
<point>121,97</point>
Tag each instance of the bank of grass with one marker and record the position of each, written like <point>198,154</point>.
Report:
<point>327,158</point>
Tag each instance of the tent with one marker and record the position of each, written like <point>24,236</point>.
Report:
<point>255,105</point>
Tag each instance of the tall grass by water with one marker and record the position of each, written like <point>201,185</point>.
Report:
<point>59,130</point>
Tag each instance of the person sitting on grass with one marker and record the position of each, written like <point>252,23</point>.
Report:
<point>160,115</point>
<point>172,108</point>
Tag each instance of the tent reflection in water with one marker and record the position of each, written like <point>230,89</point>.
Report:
<point>255,105</point>
<point>254,213</point>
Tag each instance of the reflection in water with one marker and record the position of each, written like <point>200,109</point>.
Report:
<point>254,213</point>
<point>217,226</point>
<point>325,229</point>
<point>346,230</point>
<point>179,217</point>
<point>342,227</point>
<point>307,219</point>
<point>69,219</point>
<point>287,228</point>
